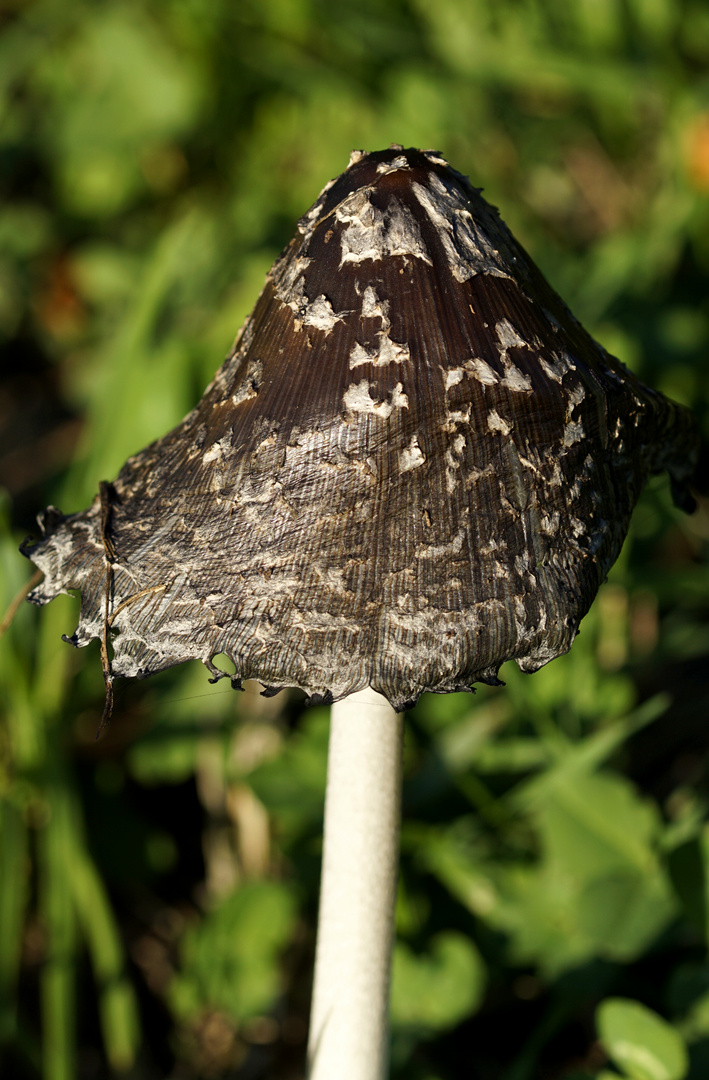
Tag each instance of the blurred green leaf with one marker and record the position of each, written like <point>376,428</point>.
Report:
<point>436,989</point>
<point>600,889</point>
<point>688,865</point>
<point>688,1002</point>
<point>591,824</point>
<point>230,960</point>
<point>13,899</point>
<point>58,979</point>
<point>292,785</point>
<point>577,760</point>
<point>118,89</point>
<point>117,1002</point>
<point>644,1045</point>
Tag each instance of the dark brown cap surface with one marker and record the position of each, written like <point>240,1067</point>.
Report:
<point>414,465</point>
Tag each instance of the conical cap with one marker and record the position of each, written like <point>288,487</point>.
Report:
<point>414,465</point>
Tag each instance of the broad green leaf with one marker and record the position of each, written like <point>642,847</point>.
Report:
<point>230,960</point>
<point>593,824</point>
<point>644,1045</point>
<point>436,989</point>
<point>620,914</point>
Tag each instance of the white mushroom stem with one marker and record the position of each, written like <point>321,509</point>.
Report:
<point>349,1024</point>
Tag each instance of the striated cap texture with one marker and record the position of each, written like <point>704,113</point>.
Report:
<point>414,464</point>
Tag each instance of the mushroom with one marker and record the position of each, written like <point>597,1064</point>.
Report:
<point>414,465</point>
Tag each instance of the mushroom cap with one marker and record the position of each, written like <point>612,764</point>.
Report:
<point>414,464</point>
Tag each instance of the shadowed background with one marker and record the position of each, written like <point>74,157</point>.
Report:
<point>158,889</point>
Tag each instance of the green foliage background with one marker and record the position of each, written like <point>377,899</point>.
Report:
<point>158,889</point>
